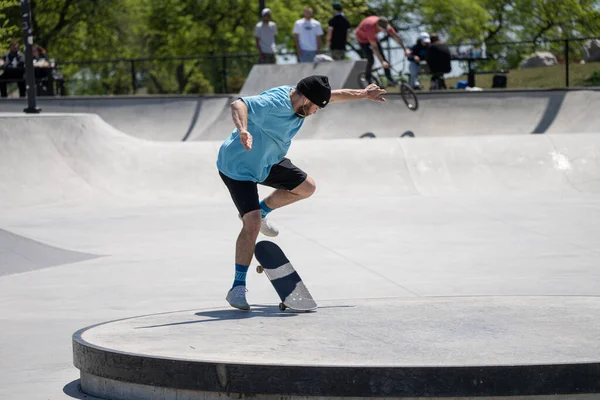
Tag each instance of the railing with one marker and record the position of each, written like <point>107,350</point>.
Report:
<point>507,55</point>
<point>226,73</point>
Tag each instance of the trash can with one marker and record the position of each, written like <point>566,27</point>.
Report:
<point>499,81</point>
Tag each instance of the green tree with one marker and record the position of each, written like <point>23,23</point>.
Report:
<point>464,20</point>
<point>9,27</point>
<point>84,30</point>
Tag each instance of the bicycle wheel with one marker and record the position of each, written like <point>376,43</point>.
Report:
<point>409,96</point>
<point>362,80</point>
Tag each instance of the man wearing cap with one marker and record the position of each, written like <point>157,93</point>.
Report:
<point>264,33</point>
<point>254,153</point>
<point>366,35</point>
<point>417,54</point>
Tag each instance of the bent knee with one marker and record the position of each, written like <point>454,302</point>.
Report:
<point>252,222</point>
<point>307,188</point>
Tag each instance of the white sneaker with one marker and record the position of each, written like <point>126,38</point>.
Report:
<point>236,297</point>
<point>267,228</point>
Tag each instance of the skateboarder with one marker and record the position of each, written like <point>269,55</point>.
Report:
<point>254,153</point>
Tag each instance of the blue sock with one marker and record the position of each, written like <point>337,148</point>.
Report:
<point>264,209</point>
<point>240,275</point>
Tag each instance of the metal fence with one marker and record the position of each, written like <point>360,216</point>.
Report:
<point>566,55</point>
<point>226,73</point>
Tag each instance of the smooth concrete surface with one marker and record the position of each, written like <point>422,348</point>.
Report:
<point>505,218</point>
<point>341,74</point>
<point>169,118</point>
<point>19,254</point>
<point>383,347</point>
<point>451,113</point>
<point>409,332</point>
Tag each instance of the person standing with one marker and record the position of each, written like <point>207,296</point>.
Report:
<point>264,33</point>
<point>338,33</point>
<point>308,35</point>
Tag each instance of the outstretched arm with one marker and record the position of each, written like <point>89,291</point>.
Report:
<point>371,92</point>
<point>239,113</point>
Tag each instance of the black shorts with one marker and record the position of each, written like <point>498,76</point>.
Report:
<point>283,175</point>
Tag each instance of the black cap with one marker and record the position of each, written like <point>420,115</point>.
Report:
<point>315,88</point>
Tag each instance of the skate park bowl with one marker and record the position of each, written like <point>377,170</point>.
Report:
<point>459,263</point>
<point>451,113</point>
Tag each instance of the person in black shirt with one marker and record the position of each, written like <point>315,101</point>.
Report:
<point>13,59</point>
<point>338,33</point>
<point>417,54</point>
<point>439,60</point>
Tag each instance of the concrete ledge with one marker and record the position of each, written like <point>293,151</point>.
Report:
<point>111,389</point>
<point>379,348</point>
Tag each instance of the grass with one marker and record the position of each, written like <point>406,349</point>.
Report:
<point>533,78</point>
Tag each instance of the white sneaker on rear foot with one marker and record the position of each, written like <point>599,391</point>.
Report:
<point>268,228</point>
<point>236,297</point>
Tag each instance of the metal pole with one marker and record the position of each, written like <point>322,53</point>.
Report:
<point>225,88</point>
<point>567,62</point>
<point>261,6</point>
<point>29,72</point>
<point>133,80</point>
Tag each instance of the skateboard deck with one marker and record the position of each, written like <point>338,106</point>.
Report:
<point>284,278</point>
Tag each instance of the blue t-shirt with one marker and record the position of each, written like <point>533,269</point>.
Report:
<point>273,123</point>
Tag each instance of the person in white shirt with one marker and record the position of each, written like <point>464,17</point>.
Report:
<point>264,33</point>
<point>308,35</point>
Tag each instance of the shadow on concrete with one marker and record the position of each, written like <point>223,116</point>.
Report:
<point>73,389</point>
<point>193,121</point>
<point>19,254</point>
<point>550,114</point>
<point>257,311</point>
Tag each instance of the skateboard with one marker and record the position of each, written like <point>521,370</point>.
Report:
<point>284,278</point>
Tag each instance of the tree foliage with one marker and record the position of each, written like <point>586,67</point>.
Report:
<point>202,30</point>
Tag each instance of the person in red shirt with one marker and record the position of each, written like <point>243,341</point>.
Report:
<point>366,35</point>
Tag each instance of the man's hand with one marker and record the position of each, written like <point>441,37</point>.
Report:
<point>373,92</point>
<point>385,64</point>
<point>246,139</point>
<point>417,59</point>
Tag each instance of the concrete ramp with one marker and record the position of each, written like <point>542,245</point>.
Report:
<point>452,113</point>
<point>21,254</point>
<point>578,113</point>
<point>53,158</point>
<point>447,114</point>
<point>341,74</point>
<point>168,118</point>
<point>458,267</point>
<point>89,158</point>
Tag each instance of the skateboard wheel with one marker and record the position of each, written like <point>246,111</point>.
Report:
<point>282,306</point>
<point>259,269</point>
